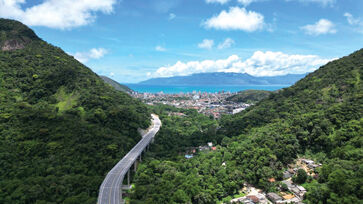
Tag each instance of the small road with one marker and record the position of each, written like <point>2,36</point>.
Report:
<point>110,190</point>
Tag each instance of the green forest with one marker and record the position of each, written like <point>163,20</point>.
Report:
<point>249,96</point>
<point>61,127</point>
<point>319,117</point>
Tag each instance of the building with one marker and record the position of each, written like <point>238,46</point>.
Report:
<point>274,197</point>
<point>287,175</point>
<point>302,191</point>
<point>253,198</point>
<point>237,110</point>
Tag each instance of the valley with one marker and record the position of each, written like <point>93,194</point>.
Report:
<point>70,135</point>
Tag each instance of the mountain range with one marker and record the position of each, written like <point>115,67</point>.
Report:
<point>222,78</point>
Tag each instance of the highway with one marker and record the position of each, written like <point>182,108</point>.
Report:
<point>110,190</point>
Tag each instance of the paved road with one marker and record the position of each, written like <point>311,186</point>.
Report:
<point>110,190</point>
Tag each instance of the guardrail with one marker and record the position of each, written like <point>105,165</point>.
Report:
<point>111,188</point>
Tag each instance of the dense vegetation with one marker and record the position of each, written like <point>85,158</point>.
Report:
<point>178,133</point>
<point>116,85</point>
<point>61,127</point>
<point>319,117</point>
<point>249,96</point>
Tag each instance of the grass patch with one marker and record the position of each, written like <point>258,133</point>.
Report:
<point>66,100</point>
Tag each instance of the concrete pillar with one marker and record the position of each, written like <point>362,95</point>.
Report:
<point>128,177</point>
<point>135,165</point>
<point>140,156</point>
<point>122,201</point>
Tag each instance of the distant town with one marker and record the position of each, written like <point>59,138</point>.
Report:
<point>211,104</point>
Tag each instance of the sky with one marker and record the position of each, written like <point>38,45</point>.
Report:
<point>134,40</point>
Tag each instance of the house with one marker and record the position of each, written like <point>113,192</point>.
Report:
<point>295,190</point>
<point>243,200</point>
<point>288,183</point>
<point>271,180</point>
<point>298,191</point>
<point>250,199</point>
<point>253,198</point>
<point>274,197</point>
<point>313,166</point>
<point>203,148</point>
<point>287,175</point>
<point>307,161</point>
<point>302,191</point>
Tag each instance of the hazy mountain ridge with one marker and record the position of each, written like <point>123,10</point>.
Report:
<point>221,78</point>
<point>116,85</point>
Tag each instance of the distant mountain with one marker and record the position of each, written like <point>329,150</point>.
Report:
<point>221,78</point>
<point>116,85</point>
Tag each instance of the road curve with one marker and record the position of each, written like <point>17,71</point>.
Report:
<point>110,190</point>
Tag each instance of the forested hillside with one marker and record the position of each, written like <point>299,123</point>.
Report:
<point>320,117</point>
<point>61,127</point>
<point>116,85</point>
<point>249,96</point>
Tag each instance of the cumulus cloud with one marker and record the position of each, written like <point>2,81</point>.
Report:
<point>227,43</point>
<point>322,2</point>
<point>94,53</point>
<point>54,13</point>
<point>206,44</point>
<point>259,64</point>
<point>217,1</point>
<point>160,48</point>
<point>236,19</point>
<point>323,26</point>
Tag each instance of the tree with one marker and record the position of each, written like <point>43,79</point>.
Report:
<point>300,177</point>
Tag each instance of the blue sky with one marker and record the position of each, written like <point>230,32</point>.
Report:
<point>132,40</point>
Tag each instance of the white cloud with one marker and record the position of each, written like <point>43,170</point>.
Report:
<point>112,74</point>
<point>351,20</point>
<point>160,48</point>
<point>94,53</point>
<point>259,64</point>
<point>323,26</point>
<point>59,14</point>
<point>171,16</point>
<point>217,1</point>
<point>356,22</point>
<point>322,2</point>
<point>227,43</point>
<point>236,19</point>
<point>206,44</point>
<point>246,2</point>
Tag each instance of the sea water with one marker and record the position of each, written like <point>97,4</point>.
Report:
<point>174,89</point>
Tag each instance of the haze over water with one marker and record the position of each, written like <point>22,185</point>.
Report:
<point>173,89</point>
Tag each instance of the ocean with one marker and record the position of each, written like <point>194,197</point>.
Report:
<point>209,89</point>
